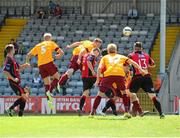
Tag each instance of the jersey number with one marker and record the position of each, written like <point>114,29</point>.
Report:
<point>142,63</point>
<point>43,50</point>
<point>113,61</point>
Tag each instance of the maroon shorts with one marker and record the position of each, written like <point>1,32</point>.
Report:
<point>48,69</point>
<point>73,63</point>
<point>107,83</point>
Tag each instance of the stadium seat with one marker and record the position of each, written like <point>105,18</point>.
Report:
<point>19,11</point>
<point>11,11</point>
<point>4,10</point>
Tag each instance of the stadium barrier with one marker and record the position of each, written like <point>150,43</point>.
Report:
<point>177,105</point>
<point>69,104</point>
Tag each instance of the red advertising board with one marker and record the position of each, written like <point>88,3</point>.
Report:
<point>177,105</point>
<point>38,105</point>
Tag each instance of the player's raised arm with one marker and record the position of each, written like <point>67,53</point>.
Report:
<point>82,52</point>
<point>28,57</point>
<point>151,63</point>
<point>24,66</point>
<point>32,53</point>
<point>90,66</point>
<point>59,52</point>
<point>129,61</point>
<point>99,69</point>
<point>73,45</point>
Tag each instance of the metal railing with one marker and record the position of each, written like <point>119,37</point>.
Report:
<point>167,88</point>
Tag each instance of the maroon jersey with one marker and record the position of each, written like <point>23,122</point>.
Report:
<point>142,59</point>
<point>12,67</point>
<point>86,72</point>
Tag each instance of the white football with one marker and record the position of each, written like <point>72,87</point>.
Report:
<point>127,31</point>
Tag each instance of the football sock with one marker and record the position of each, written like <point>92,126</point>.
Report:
<point>157,105</point>
<point>96,102</point>
<point>137,107</point>
<point>21,107</point>
<point>126,102</point>
<point>47,87</point>
<point>113,106</point>
<point>63,79</point>
<point>53,84</point>
<point>82,101</point>
<point>107,106</point>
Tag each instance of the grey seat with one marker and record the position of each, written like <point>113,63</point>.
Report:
<point>4,83</point>
<point>4,10</point>
<point>77,91</point>
<point>173,19</point>
<point>72,83</point>
<point>41,90</point>
<point>69,91</point>
<point>19,11</point>
<point>34,90</point>
<point>75,77</point>
<point>8,90</point>
<point>79,84</point>
<point>11,11</point>
<point>26,11</point>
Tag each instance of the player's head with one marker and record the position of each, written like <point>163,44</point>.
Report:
<point>12,40</point>
<point>112,48</point>
<point>9,49</point>
<point>96,52</point>
<point>137,46</point>
<point>97,42</point>
<point>104,52</point>
<point>47,36</point>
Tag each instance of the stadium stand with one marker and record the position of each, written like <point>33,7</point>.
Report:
<point>171,37</point>
<point>10,30</point>
<point>67,30</point>
<point>71,27</point>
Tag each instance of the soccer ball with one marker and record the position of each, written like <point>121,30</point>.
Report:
<point>127,31</point>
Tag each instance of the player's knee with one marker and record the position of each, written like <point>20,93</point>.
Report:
<point>56,76</point>
<point>23,97</point>
<point>115,98</point>
<point>123,92</point>
<point>101,94</point>
<point>133,97</point>
<point>70,72</point>
<point>151,95</point>
<point>86,93</point>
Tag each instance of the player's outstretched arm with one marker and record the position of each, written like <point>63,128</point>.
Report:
<point>28,57</point>
<point>137,66</point>
<point>24,66</point>
<point>59,54</point>
<point>73,45</point>
<point>90,66</point>
<point>152,66</point>
<point>82,52</point>
<point>151,63</point>
<point>98,76</point>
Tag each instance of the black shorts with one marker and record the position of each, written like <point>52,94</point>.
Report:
<point>144,82</point>
<point>16,88</point>
<point>111,93</point>
<point>88,83</point>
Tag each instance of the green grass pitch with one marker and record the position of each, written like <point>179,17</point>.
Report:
<point>75,126</point>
